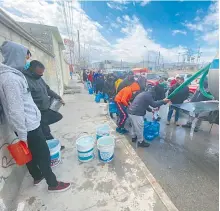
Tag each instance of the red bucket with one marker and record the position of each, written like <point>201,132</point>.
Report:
<point>20,152</point>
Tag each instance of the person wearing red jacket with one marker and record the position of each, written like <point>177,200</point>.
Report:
<point>90,77</point>
<point>122,100</point>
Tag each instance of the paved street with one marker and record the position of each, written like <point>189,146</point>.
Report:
<point>123,185</point>
<point>186,169</point>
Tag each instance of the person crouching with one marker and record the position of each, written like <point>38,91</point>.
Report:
<point>122,100</point>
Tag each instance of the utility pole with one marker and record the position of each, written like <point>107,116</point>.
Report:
<point>148,59</point>
<point>158,59</point>
<point>78,45</point>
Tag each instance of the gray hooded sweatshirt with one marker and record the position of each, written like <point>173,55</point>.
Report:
<point>20,110</point>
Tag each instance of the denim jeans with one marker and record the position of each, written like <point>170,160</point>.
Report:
<point>170,113</point>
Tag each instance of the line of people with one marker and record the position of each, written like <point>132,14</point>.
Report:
<point>25,98</point>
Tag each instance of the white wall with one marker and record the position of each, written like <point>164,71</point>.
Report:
<point>53,74</point>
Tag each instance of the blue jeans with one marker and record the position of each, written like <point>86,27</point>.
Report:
<point>170,113</point>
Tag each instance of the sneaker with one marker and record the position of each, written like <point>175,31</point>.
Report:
<point>38,181</point>
<point>62,148</point>
<point>177,124</point>
<point>158,119</point>
<point>186,125</point>
<point>143,144</point>
<point>123,131</point>
<point>134,139</point>
<point>61,187</point>
<point>118,129</point>
<point>196,130</point>
<point>168,123</point>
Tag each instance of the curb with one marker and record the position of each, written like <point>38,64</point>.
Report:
<point>156,186</point>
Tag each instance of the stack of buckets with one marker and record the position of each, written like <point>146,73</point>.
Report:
<point>55,154</point>
<point>105,145</point>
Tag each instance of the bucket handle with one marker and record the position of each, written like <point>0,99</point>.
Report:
<point>24,147</point>
<point>81,134</point>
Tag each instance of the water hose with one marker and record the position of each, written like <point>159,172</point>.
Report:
<point>192,78</point>
<point>201,86</point>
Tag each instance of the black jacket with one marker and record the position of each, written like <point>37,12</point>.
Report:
<point>40,91</point>
<point>159,92</point>
<point>109,86</point>
<point>181,96</point>
<point>85,76</point>
<point>141,104</point>
<point>126,82</point>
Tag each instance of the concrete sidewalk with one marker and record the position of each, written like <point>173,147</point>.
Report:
<point>125,184</point>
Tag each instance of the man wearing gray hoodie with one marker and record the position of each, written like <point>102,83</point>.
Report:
<point>23,115</point>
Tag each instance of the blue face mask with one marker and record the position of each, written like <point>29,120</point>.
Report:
<point>27,65</point>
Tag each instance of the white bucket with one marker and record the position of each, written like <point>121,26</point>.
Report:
<point>55,154</point>
<point>102,130</point>
<point>85,148</point>
<point>106,146</point>
<point>103,108</point>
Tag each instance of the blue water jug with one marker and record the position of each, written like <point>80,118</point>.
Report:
<point>91,91</point>
<point>105,97</point>
<point>97,98</point>
<point>151,130</point>
<point>113,108</point>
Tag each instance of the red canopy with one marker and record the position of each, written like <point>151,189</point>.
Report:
<point>140,70</point>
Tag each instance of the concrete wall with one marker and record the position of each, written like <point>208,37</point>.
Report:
<point>11,176</point>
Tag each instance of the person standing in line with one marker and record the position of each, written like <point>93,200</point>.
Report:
<point>136,113</point>
<point>160,93</point>
<point>126,82</point>
<point>23,116</point>
<point>85,77</point>
<point>99,82</point>
<point>197,97</point>
<point>179,98</point>
<point>90,78</point>
<point>42,96</point>
<point>122,100</point>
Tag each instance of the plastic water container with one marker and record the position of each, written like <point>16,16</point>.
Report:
<point>98,97</point>
<point>102,130</point>
<point>106,146</point>
<point>85,148</point>
<point>90,90</point>
<point>113,108</point>
<point>151,130</point>
<point>103,108</point>
<point>55,154</point>
<point>20,153</point>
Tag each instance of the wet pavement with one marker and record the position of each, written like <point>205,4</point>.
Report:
<point>125,184</point>
<point>187,169</point>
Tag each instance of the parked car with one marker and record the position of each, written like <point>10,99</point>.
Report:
<point>152,79</point>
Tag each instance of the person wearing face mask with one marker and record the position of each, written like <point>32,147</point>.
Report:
<point>23,116</point>
<point>179,98</point>
<point>42,95</point>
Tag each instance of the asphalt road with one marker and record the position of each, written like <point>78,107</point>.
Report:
<point>186,168</point>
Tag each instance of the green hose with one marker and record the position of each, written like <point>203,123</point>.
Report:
<point>188,81</point>
<point>201,86</point>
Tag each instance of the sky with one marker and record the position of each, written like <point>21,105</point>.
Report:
<point>128,30</point>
